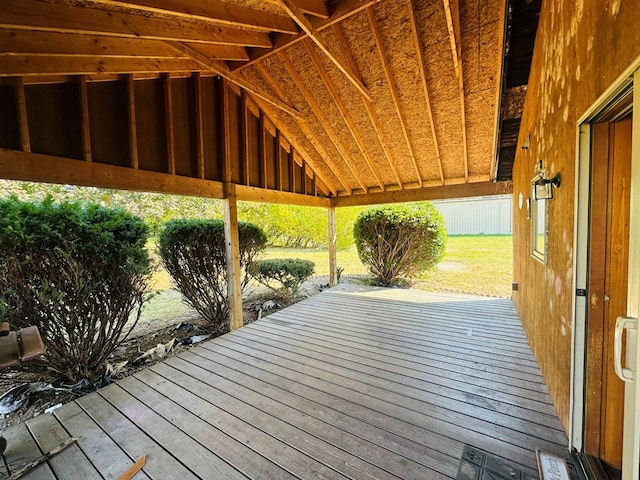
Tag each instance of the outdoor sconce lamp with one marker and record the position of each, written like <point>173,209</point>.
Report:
<point>542,185</point>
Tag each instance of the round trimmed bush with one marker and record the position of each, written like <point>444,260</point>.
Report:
<point>193,252</point>
<point>290,273</point>
<point>400,240</point>
<point>77,272</point>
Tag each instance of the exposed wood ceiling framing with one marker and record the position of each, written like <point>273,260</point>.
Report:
<point>373,96</point>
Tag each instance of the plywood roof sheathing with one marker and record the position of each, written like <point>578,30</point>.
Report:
<point>224,72</point>
<point>343,110</point>
<point>425,85</point>
<point>308,134</point>
<point>314,35</point>
<point>390,84</point>
<point>452,12</point>
<point>318,112</point>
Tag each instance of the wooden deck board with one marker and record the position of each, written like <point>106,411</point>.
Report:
<point>356,383</point>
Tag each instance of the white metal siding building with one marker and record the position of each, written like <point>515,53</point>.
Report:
<point>477,215</point>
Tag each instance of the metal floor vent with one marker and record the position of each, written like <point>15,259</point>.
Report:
<point>478,465</point>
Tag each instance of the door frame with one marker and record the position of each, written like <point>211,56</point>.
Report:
<point>581,249</point>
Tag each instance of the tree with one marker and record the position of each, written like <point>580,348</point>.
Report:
<point>400,240</point>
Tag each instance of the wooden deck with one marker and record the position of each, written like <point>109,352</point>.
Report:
<point>356,383</point>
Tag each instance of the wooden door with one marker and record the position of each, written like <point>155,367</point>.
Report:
<point>608,269</point>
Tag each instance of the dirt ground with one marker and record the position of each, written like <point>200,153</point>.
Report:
<point>176,332</point>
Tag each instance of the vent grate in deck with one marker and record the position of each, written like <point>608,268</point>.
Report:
<point>478,465</point>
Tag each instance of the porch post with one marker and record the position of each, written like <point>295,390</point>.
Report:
<point>232,251</point>
<point>333,266</point>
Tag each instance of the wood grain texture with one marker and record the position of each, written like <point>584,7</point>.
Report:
<point>331,388</point>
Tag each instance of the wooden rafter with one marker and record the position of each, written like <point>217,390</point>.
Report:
<point>314,35</point>
<point>223,71</point>
<point>34,43</point>
<point>391,85</point>
<point>308,134</point>
<point>53,17</point>
<point>348,55</point>
<point>344,111</point>
<point>319,113</point>
<point>340,11</point>
<point>498,92</point>
<point>20,65</point>
<point>211,10</point>
<point>438,192</point>
<point>452,12</point>
<point>425,86</point>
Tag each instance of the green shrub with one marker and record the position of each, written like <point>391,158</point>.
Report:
<point>77,272</point>
<point>193,252</point>
<point>400,240</point>
<point>290,273</point>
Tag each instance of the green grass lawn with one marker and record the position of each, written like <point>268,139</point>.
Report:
<point>479,264</point>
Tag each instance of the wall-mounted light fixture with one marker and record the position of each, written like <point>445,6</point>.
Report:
<point>542,184</point>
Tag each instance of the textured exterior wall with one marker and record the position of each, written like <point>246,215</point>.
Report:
<point>582,46</point>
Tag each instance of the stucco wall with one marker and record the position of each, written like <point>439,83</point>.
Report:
<point>582,46</point>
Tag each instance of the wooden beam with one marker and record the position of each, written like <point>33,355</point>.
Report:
<point>344,111</point>
<point>316,8</point>
<point>224,72</point>
<point>462,190</point>
<point>226,131</point>
<point>425,86</point>
<point>199,124</point>
<point>452,12</point>
<point>245,143</point>
<point>308,134</point>
<point>232,254</point>
<point>348,55</point>
<point>84,111</point>
<point>262,149</point>
<point>319,113</point>
<point>168,117</point>
<point>255,194</point>
<point>25,65</point>
<point>34,167</point>
<point>28,42</point>
<point>64,18</point>
<point>23,122</point>
<point>333,263</point>
<point>278,159</point>
<point>133,129</point>
<point>314,35</point>
<point>341,10</point>
<point>499,76</point>
<point>394,95</point>
<point>212,11</point>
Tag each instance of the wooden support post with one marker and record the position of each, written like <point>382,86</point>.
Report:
<point>25,139</point>
<point>84,108</point>
<point>333,264</point>
<point>199,124</point>
<point>168,115</point>
<point>232,248</point>
<point>133,132</point>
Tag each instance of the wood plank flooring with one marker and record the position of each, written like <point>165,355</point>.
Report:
<point>356,382</point>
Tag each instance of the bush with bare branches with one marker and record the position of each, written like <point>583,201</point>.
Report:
<point>77,271</point>
<point>193,252</point>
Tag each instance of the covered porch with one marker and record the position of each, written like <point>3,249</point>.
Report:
<point>356,382</point>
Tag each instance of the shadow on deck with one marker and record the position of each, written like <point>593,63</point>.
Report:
<point>356,382</point>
